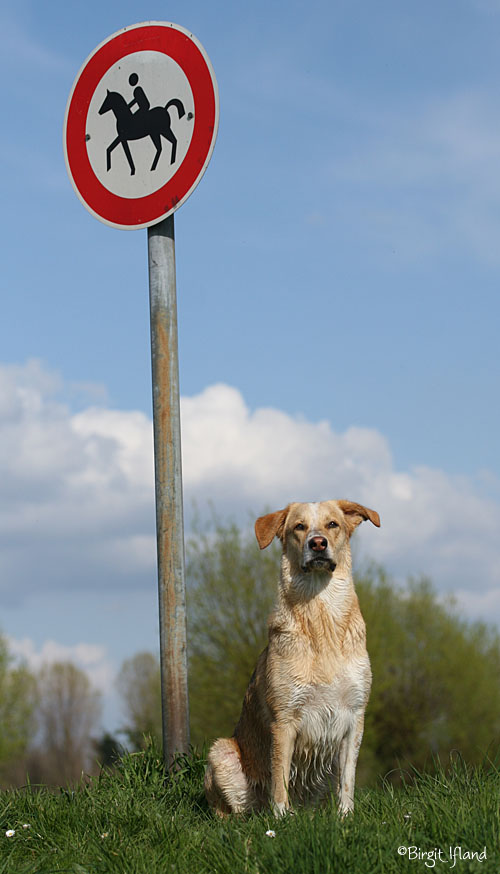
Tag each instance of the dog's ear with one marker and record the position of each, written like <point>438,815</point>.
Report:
<point>270,526</point>
<point>356,513</point>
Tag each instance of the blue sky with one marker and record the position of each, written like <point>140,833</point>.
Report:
<point>337,274</point>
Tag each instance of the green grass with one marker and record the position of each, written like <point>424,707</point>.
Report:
<point>135,821</point>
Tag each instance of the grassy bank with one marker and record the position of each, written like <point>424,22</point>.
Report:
<point>135,821</point>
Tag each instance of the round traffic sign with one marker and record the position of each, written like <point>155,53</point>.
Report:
<point>141,123</point>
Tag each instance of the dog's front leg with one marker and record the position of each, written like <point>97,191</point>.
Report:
<point>348,757</point>
<point>282,744</point>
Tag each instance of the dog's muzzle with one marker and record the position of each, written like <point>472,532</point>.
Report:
<point>317,555</point>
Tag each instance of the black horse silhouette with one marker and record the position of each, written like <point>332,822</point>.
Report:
<point>154,123</point>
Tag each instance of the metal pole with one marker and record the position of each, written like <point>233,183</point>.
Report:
<point>168,479</point>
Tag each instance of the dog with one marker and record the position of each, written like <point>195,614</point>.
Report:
<point>302,719</point>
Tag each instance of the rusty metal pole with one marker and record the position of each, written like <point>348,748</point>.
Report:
<point>168,480</point>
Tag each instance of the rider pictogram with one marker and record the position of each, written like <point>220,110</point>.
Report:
<point>143,122</point>
<point>139,95</point>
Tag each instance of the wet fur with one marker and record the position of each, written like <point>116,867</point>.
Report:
<point>301,723</point>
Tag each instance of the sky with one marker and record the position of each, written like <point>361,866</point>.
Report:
<point>338,270</point>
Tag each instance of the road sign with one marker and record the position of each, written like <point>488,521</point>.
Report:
<point>141,123</point>
<point>139,131</point>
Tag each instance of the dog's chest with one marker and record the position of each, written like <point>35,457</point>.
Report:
<point>326,712</point>
<point>331,686</point>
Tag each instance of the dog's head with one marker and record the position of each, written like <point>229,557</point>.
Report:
<point>315,537</point>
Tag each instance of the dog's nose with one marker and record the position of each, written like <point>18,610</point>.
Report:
<point>318,544</point>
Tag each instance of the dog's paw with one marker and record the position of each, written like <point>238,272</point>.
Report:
<point>280,808</point>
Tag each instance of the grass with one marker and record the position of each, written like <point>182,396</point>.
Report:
<point>135,821</point>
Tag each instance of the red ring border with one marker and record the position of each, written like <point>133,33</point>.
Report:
<point>129,213</point>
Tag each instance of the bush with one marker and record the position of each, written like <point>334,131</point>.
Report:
<point>435,677</point>
<point>231,591</point>
<point>17,707</point>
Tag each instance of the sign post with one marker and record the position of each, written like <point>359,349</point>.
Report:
<point>139,131</point>
<point>168,480</point>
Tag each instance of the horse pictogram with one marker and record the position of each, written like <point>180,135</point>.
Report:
<point>144,122</point>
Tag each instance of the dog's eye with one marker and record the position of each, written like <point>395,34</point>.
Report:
<point>333,525</point>
<point>300,527</point>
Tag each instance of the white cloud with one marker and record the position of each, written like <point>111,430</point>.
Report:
<point>268,456</point>
<point>91,658</point>
<point>77,490</point>
<point>77,498</point>
<point>432,523</point>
